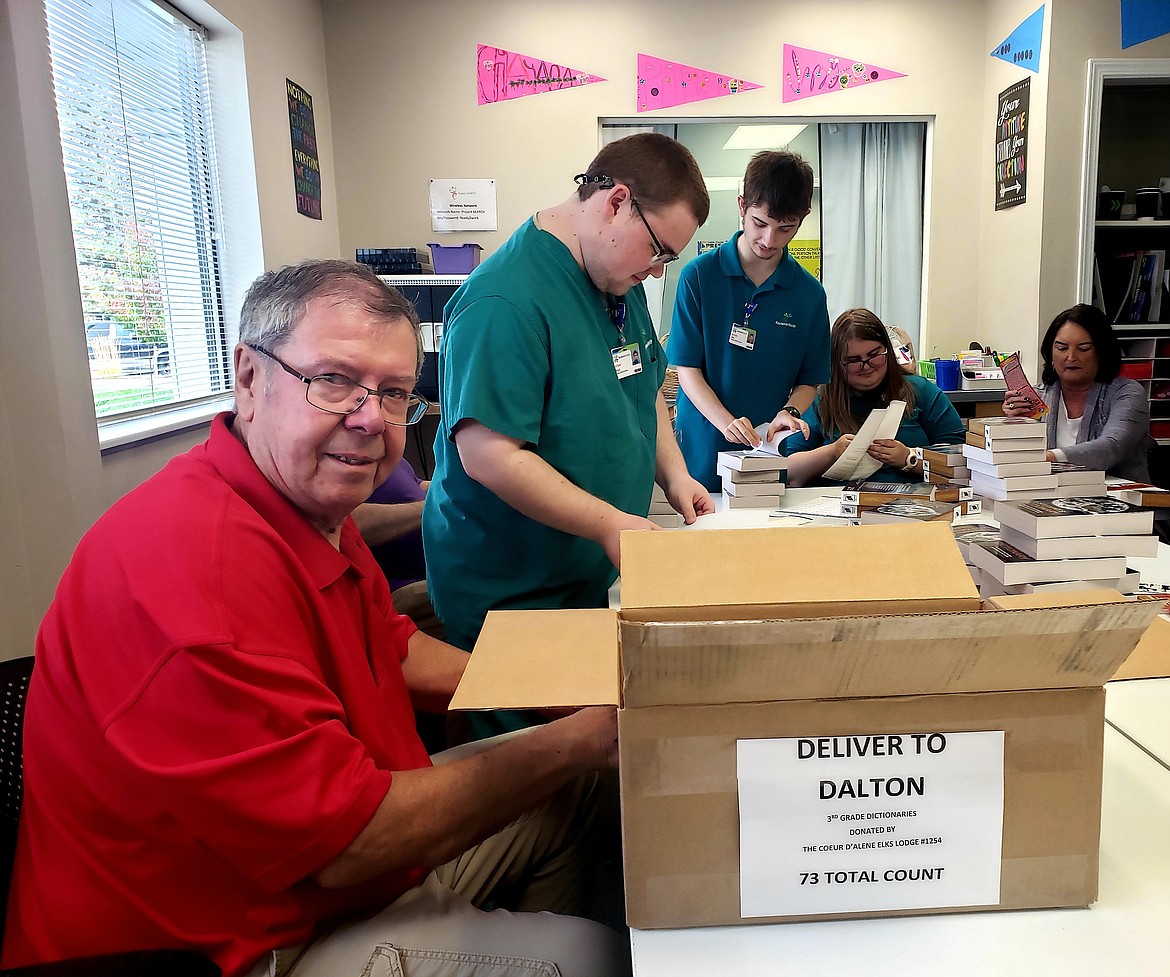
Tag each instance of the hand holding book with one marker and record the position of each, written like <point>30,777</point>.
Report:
<point>1021,398</point>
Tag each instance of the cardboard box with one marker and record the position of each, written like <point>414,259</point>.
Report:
<point>726,636</point>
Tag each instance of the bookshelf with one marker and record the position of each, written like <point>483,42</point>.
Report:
<point>1130,257</point>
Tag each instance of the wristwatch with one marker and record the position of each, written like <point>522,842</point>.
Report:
<point>913,457</point>
<point>791,410</point>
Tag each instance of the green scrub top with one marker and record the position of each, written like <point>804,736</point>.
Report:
<point>527,353</point>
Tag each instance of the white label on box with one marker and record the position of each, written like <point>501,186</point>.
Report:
<point>870,822</point>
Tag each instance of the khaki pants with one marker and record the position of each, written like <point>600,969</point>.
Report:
<point>539,876</point>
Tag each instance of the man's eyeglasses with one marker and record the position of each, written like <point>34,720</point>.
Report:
<point>336,393</point>
<point>855,364</point>
<point>662,255</point>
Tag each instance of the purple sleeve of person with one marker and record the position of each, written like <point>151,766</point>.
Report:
<point>403,485</point>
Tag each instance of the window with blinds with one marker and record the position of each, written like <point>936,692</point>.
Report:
<point>135,118</point>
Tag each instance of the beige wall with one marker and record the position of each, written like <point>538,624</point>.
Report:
<point>402,79</point>
<point>54,481</point>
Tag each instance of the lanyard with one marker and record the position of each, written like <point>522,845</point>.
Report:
<point>617,315</point>
<point>747,312</point>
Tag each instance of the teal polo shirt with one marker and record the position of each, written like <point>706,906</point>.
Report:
<point>790,345</point>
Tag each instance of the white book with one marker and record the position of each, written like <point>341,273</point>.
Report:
<point>1026,495</point>
<point>751,501</point>
<point>990,587</point>
<point>1003,456</point>
<point>743,489</point>
<point>1079,516</point>
<point>1006,428</point>
<point>987,485</point>
<point>747,460</point>
<point>1009,469</point>
<point>1011,566</point>
<point>1070,547</point>
<point>772,475</point>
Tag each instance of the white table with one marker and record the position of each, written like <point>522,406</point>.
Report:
<point>1140,710</point>
<point>1127,932</point>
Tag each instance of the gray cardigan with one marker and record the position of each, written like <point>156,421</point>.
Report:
<point>1115,429</point>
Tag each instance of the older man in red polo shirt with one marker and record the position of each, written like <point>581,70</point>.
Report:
<point>220,750</point>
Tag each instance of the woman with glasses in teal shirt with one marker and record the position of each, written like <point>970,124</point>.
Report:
<point>865,377</point>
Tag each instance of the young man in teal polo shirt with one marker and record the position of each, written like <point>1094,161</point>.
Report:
<point>750,337</point>
<point>553,426</point>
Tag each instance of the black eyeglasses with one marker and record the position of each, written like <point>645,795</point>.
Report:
<point>855,364</point>
<point>662,255</point>
<point>336,393</point>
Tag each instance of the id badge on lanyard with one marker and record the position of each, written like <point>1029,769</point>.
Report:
<point>742,335</point>
<point>627,360</point>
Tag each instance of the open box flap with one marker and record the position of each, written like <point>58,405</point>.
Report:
<point>677,663</point>
<point>689,575</point>
<point>535,659</point>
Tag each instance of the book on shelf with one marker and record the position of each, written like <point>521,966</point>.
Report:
<point>1011,566</point>
<point>1075,516</point>
<point>1143,296</point>
<point>1005,456</point>
<point>1074,547</point>
<point>967,533</point>
<point>911,510</point>
<point>868,493</point>
<point>747,460</point>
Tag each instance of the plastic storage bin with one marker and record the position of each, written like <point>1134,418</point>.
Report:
<point>457,259</point>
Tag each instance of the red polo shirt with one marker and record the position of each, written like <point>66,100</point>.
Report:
<point>215,713</point>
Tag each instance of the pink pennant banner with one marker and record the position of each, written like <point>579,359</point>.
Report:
<point>502,75</point>
<point>808,73</point>
<point>663,84</point>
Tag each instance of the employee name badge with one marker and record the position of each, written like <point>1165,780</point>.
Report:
<point>627,360</point>
<point>742,336</point>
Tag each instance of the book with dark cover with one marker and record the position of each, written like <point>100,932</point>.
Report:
<point>1075,547</point>
<point>909,510</point>
<point>1076,516</point>
<point>1011,566</point>
<point>869,494</point>
<point>967,533</point>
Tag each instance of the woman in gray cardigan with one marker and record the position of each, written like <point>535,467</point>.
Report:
<point>1095,418</point>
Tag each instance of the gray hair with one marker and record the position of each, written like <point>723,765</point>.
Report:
<point>276,301</point>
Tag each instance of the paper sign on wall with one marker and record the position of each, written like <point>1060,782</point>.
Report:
<point>501,75</point>
<point>1022,46</point>
<point>463,205</point>
<point>808,73</point>
<point>662,84</point>
<point>306,164</point>
<point>1143,20</point>
<point>870,823</point>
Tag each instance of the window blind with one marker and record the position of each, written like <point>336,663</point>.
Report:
<point>130,80</point>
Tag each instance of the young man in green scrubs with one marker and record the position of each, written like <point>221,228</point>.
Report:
<point>553,426</point>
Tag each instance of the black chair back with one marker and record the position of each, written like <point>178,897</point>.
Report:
<point>14,678</point>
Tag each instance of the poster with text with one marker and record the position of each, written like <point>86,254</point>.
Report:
<point>306,166</point>
<point>1011,146</point>
<point>870,823</point>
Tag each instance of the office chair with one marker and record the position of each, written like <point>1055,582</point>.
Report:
<point>14,679</point>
